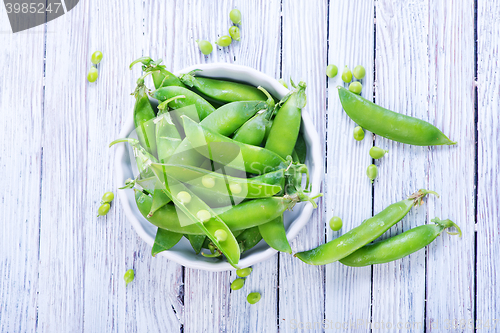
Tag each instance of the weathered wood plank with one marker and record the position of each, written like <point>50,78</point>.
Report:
<point>304,53</point>
<point>21,111</point>
<point>450,260</point>
<point>349,192</point>
<point>399,287</point>
<point>488,196</point>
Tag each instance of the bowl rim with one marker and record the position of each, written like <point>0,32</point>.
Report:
<point>296,225</point>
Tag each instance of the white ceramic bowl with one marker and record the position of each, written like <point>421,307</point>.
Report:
<point>295,220</point>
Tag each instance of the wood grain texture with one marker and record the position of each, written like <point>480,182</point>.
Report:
<point>348,190</point>
<point>21,169</point>
<point>304,58</point>
<point>488,193</point>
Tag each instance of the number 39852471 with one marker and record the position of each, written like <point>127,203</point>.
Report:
<point>32,8</point>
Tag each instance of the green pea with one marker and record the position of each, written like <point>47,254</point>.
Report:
<point>224,41</point>
<point>235,188</point>
<point>355,87</point>
<point>235,16</point>
<point>346,75</point>
<point>234,32</point>
<point>372,172</point>
<point>203,215</point>
<point>253,298</point>
<point>96,57</point>
<point>93,74</point>
<point>107,197</point>
<point>358,133</point>
<point>205,46</point>
<point>359,72</point>
<point>220,234</point>
<point>129,276</point>
<point>244,272</point>
<point>376,152</point>
<point>208,181</point>
<point>283,83</point>
<point>237,284</point>
<point>331,71</point>
<point>335,223</point>
<point>184,197</point>
<point>103,210</point>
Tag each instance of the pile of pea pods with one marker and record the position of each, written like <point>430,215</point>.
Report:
<point>219,162</point>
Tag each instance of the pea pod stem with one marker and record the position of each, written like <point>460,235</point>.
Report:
<point>365,233</point>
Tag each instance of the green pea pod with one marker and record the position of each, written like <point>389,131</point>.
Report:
<point>389,124</point>
<point>301,148</point>
<point>164,240</point>
<point>196,211</point>
<point>161,77</point>
<point>225,120</point>
<point>249,238</point>
<point>286,124</point>
<point>222,91</point>
<point>274,234</point>
<point>196,242</point>
<point>365,233</point>
<point>229,152</point>
<point>246,188</point>
<point>399,246</point>
<point>160,199</point>
<point>254,130</point>
<point>143,116</point>
<point>167,135</point>
<point>203,107</point>
<point>242,216</point>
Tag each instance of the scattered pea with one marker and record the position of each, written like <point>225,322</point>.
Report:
<point>283,83</point>
<point>376,152</point>
<point>355,87</point>
<point>93,74</point>
<point>107,197</point>
<point>96,57</point>
<point>220,235</point>
<point>358,133</point>
<point>372,172</point>
<point>253,298</point>
<point>234,32</point>
<point>331,71</point>
<point>129,276</point>
<point>203,215</point>
<point>205,46</point>
<point>359,72</point>
<point>346,75</point>
<point>184,197</point>
<point>235,16</point>
<point>335,223</point>
<point>224,41</point>
<point>244,272</point>
<point>103,210</point>
<point>237,284</point>
<point>235,188</point>
<point>208,181</point>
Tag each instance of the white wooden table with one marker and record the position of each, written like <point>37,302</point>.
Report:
<point>61,268</point>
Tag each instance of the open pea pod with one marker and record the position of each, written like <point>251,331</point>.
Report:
<point>229,152</point>
<point>221,184</point>
<point>199,213</point>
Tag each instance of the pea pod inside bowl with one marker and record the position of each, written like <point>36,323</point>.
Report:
<point>294,220</point>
